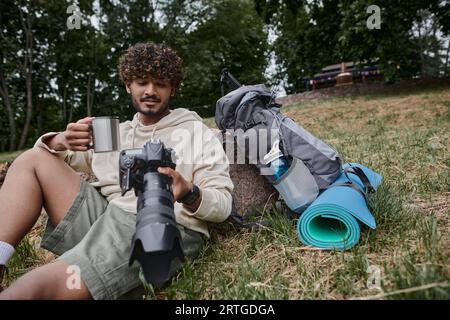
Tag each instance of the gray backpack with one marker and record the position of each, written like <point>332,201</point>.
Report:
<point>251,116</point>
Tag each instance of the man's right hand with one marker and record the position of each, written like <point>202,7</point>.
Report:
<point>77,137</point>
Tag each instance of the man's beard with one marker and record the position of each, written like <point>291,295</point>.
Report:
<point>150,113</point>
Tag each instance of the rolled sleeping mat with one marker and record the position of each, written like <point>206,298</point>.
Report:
<point>333,220</point>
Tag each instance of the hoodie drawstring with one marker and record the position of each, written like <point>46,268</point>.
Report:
<point>133,135</point>
<point>153,132</point>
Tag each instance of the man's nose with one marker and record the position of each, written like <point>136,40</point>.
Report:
<point>150,89</point>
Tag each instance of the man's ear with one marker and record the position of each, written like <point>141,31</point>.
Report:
<point>127,87</point>
<point>172,93</point>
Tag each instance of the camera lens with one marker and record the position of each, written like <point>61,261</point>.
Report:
<point>157,240</point>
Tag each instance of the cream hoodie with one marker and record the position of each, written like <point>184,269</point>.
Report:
<point>199,158</point>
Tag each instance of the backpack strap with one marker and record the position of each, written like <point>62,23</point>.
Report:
<point>224,142</point>
<point>349,184</point>
<point>251,123</point>
<point>241,222</point>
<point>368,188</point>
<point>227,77</point>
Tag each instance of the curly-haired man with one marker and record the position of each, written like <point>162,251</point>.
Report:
<point>90,226</point>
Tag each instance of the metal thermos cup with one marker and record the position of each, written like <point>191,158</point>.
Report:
<point>105,134</point>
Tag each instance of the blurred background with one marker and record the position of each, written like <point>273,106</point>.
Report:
<point>59,58</point>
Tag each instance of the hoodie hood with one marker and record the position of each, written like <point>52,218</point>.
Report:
<point>174,118</point>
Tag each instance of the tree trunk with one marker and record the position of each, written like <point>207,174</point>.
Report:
<point>29,83</point>
<point>91,76</point>
<point>39,117</point>
<point>436,46</point>
<point>88,95</point>
<point>421,48</point>
<point>64,104</point>
<point>69,119</point>
<point>9,111</point>
<point>28,70</point>
<point>446,59</point>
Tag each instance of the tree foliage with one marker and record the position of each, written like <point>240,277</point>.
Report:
<point>316,33</point>
<point>51,75</point>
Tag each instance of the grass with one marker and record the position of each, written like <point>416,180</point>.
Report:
<point>404,137</point>
<point>9,156</point>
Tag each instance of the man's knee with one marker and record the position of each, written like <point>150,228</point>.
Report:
<point>32,157</point>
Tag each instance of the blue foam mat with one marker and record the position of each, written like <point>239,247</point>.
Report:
<point>333,220</point>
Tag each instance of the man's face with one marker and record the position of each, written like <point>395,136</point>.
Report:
<point>150,96</point>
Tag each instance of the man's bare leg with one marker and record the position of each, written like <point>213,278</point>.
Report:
<point>35,179</point>
<point>48,282</point>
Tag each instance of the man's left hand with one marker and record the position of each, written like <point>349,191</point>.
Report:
<point>180,186</point>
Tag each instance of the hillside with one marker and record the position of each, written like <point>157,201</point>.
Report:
<point>406,138</point>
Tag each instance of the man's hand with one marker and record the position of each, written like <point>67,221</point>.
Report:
<point>180,186</point>
<point>76,137</point>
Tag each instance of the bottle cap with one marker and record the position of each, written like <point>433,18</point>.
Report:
<point>274,153</point>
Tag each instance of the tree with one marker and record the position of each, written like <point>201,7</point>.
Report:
<point>313,34</point>
<point>306,37</point>
<point>18,56</point>
<point>210,36</point>
<point>51,75</point>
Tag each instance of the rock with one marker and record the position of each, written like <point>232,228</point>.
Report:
<point>251,190</point>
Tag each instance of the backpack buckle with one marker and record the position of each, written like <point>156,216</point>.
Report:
<point>250,123</point>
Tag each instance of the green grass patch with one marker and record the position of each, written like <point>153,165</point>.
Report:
<point>25,258</point>
<point>9,156</point>
<point>404,137</point>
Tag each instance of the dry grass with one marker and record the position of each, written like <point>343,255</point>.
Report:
<point>407,139</point>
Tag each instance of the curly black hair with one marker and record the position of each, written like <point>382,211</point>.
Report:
<point>148,59</point>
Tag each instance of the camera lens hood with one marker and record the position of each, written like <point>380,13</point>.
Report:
<point>157,246</point>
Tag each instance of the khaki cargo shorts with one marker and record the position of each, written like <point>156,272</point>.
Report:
<point>96,237</point>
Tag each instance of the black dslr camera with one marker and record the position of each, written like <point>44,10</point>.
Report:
<point>157,240</point>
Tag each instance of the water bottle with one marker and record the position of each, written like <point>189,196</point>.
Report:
<point>279,166</point>
<point>293,181</point>
<point>278,163</point>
